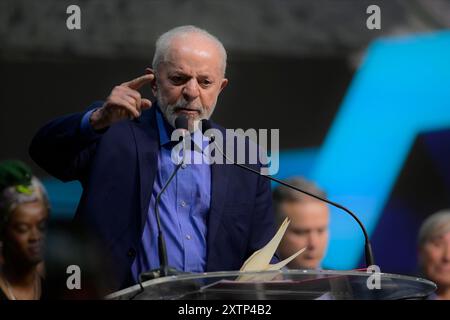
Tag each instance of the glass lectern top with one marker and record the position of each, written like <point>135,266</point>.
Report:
<point>281,284</point>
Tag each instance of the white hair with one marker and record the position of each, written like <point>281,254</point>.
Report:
<point>164,41</point>
<point>434,226</point>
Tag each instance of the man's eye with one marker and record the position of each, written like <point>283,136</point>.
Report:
<point>176,79</point>
<point>436,243</point>
<point>206,83</point>
<point>299,232</point>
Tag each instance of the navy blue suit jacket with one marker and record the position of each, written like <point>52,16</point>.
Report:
<point>117,169</point>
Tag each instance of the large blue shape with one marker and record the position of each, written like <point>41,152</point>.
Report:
<point>402,88</point>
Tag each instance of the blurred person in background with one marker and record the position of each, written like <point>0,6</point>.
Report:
<point>77,267</point>
<point>309,223</point>
<point>24,211</point>
<point>434,252</point>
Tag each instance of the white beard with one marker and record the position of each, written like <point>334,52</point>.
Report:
<point>168,111</point>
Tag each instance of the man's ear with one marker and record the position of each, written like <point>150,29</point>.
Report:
<point>153,84</point>
<point>223,84</point>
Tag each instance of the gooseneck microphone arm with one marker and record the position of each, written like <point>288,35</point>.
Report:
<point>368,248</point>
<point>164,270</point>
<point>162,249</point>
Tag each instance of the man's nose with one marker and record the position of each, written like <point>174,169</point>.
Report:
<point>191,90</point>
<point>312,241</point>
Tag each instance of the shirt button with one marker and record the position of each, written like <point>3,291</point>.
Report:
<point>183,204</point>
<point>188,237</point>
<point>183,166</point>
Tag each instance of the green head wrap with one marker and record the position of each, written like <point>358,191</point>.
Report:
<point>17,186</point>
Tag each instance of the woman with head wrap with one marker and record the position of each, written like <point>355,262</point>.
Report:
<point>24,210</point>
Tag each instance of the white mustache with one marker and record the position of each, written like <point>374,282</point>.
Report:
<point>185,106</point>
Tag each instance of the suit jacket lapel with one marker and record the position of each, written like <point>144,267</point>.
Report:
<point>146,135</point>
<point>219,182</point>
<point>147,146</point>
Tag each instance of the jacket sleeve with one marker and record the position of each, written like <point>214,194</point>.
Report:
<point>64,147</point>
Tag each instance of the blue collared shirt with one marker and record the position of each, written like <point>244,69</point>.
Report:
<point>184,207</point>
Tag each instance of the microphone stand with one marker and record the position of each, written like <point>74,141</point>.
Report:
<point>164,269</point>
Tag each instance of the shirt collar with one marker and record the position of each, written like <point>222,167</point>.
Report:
<point>164,128</point>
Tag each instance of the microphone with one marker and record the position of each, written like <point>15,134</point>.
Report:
<point>181,122</point>
<point>206,125</point>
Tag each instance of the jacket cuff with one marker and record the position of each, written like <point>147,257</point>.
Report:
<point>86,128</point>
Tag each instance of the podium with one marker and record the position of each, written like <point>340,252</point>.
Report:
<point>280,285</point>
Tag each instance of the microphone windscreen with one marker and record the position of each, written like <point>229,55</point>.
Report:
<point>181,122</point>
<point>206,125</point>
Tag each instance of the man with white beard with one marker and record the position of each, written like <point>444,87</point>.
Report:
<point>213,216</point>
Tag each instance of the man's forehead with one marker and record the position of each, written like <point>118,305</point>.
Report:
<point>194,41</point>
<point>306,210</point>
<point>183,67</point>
<point>199,50</point>
<point>306,205</point>
<point>441,236</point>
<point>190,69</point>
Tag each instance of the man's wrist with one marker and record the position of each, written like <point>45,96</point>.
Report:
<point>87,127</point>
<point>96,122</point>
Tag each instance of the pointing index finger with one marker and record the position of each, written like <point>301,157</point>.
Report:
<point>137,83</point>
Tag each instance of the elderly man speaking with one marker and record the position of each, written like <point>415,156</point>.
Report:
<point>214,216</point>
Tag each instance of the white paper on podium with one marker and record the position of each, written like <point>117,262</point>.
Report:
<point>260,260</point>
